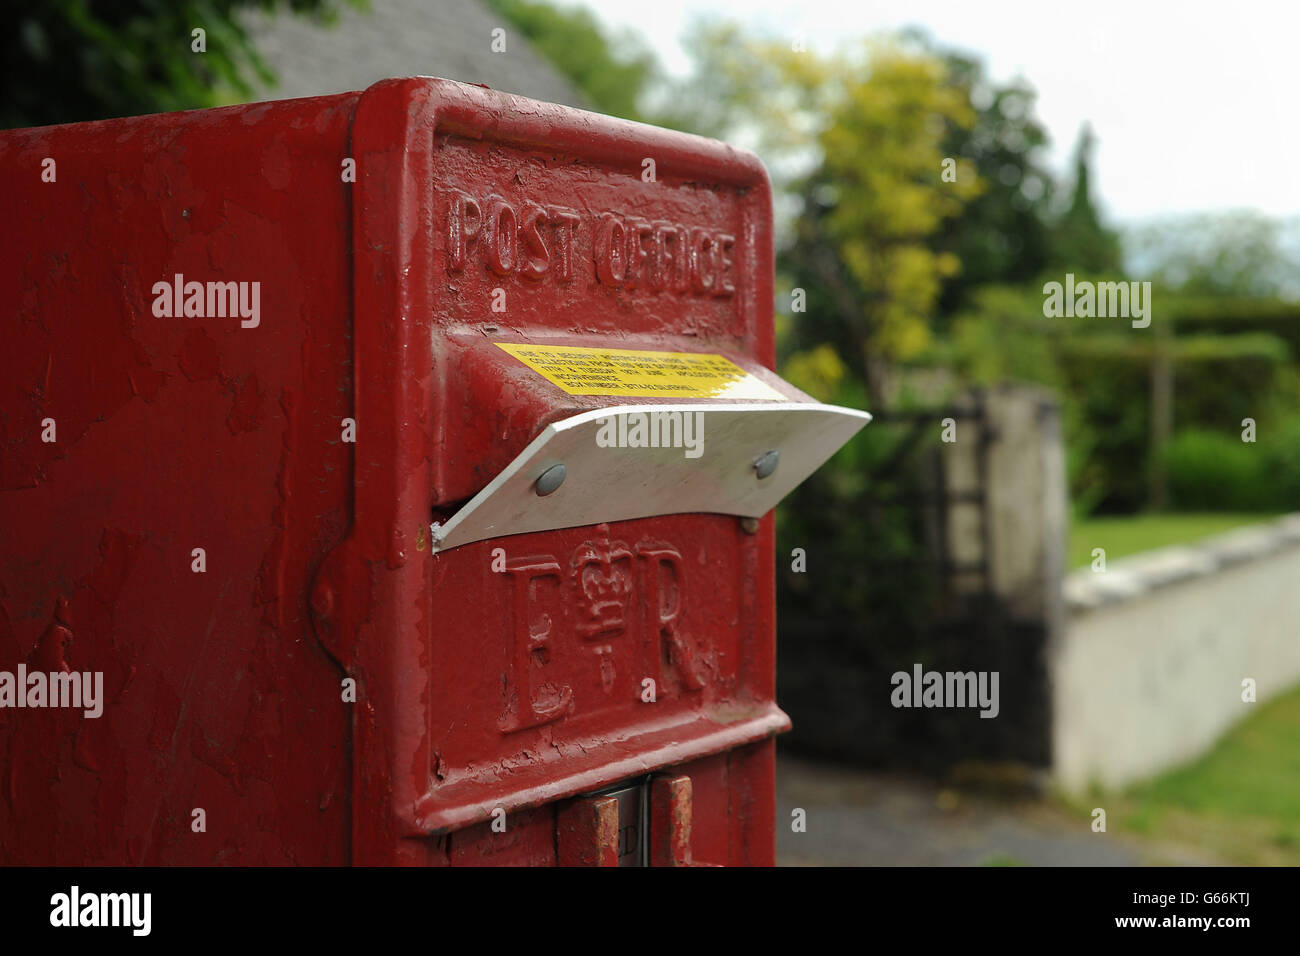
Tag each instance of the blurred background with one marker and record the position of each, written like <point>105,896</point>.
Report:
<point>1095,511</point>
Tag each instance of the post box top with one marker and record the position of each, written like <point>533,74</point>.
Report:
<point>480,112</point>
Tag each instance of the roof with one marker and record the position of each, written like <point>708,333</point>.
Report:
<point>447,38</point>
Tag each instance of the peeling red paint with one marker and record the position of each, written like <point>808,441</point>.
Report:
<point>246,408</point>
<point>199,359</point>
<point>170,435</point>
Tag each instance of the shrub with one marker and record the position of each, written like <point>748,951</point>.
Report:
<point>1217,471</point>
<point>1280,445</point>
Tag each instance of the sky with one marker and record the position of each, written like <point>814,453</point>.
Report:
<point>1194,103</point>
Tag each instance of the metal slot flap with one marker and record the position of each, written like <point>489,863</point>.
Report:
<point>636,461</point>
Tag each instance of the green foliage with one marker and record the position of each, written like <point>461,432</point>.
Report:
<point>867,244</point>
<point>869,555</point>
<point>1235,316</point>
<point>1211,470</point>
<point>862,538</point>
<point>864,256</point>
<point>1002,234</point>
<point>1221,379</point>
<point>882,213</point>
<point>863,251</point>
<point>1100,370</point>
<point>1281,447</point>
<point>611,73</point>
<point>1003,337</point>
<point>1216,469</point>
<point>1079,240</point>
<point>64,61</point>
<point>757,89</point>
<point>1107,416</point>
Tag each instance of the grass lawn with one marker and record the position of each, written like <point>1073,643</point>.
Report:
<point>1241,801</point>
<point>1133,533</point>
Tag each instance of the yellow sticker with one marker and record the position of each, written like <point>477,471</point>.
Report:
<point>631,372</point>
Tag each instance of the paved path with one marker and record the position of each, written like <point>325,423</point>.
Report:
<point>860,818</point>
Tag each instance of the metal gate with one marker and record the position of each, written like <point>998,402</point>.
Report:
<point>899,571</point>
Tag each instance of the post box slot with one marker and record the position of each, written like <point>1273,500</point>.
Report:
<point>636,461</point>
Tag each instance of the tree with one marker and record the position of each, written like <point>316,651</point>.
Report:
<point>1080,241</point>
<point>856,148</point>
<point>612,73</point>
<point>1001,235</point>
<point>872,209</point>
<point>62,61</point>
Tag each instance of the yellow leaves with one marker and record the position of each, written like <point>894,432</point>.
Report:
<point>770,90</point>
<point>798,68</point>
<point>818,371</point>
<point>947,264</point>
<point>878,122</point>
<point>883,152</point>
<point>913,280</point>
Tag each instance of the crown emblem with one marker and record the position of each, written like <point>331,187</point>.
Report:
<point>602,572</point>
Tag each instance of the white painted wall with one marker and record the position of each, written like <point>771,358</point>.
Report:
<point>1148,671</point>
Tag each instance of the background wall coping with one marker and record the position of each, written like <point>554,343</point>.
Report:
<point>1135,575</point>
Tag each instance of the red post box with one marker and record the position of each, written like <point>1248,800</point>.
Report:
<point>392,471</point>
